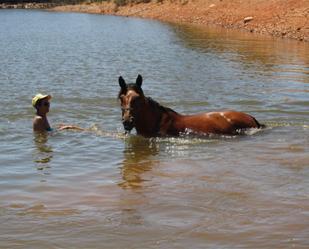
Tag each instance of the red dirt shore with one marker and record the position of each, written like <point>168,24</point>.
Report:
<point>281,18</point>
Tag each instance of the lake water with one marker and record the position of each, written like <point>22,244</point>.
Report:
<point>101,189</point>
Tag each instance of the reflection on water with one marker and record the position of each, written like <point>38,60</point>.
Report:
<point>139,157</point>
<point>251,50</point>
<point>143,154</point>
<point>43,153</point>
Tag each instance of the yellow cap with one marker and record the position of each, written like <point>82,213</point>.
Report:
<point>38,97</point>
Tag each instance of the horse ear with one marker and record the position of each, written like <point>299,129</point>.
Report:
<point>139,80</point>
<point>122,83</point>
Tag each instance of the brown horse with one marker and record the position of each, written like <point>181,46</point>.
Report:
<point>149,118</point>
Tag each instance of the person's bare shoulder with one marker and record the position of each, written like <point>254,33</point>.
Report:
<point>38,124</point>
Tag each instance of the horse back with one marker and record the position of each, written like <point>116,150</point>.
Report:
<point>225,122</point>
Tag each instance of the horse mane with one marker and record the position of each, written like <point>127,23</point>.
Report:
<point>154,104</point>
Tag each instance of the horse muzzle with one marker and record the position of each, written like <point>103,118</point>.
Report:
<point>128,124</point>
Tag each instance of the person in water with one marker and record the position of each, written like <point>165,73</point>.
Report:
<point>41,103</point>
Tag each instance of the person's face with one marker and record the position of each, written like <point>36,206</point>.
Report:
<point>44,106</point>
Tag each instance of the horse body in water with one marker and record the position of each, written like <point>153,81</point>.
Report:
<point>149,118</point>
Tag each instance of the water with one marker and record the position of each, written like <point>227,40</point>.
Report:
<point>100,189</point>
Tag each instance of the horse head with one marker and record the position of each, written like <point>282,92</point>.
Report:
<point>132,99</point>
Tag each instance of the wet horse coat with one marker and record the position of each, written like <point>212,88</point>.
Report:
<point>149,118</point>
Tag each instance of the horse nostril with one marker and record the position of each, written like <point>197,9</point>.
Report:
<point>128,125</point>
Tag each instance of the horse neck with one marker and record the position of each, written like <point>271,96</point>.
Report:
<point>151,119</point>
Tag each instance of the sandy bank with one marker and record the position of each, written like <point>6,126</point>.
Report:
<point>281,18</point>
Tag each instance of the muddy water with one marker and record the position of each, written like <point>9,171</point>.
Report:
<point>101,189</point>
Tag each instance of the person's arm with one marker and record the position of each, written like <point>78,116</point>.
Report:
<point>69,127</point>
